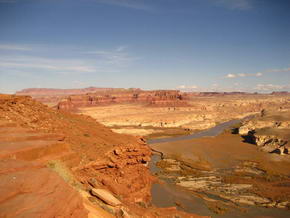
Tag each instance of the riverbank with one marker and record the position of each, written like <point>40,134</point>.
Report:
<point>227,173</point>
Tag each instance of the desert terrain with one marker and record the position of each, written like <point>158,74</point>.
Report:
<point>158,113</point>
<point>101,147</point>
<point>144,109</point>
<point>200,112</point>
<point>234,170</point>
<point>48,156</point>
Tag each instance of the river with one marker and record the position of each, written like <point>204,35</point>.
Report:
<point>168,194</point>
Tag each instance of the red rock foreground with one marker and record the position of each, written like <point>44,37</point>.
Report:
<point>31,190</point>
<point>51,162</point>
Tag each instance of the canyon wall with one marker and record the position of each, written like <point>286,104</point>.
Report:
<point>167,98</point>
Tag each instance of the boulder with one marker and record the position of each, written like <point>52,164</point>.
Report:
<point>106,196</point>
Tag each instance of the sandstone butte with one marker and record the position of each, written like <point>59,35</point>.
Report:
<point>51,160</point>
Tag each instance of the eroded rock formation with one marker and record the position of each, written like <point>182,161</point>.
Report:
<point>167,98</point>
<point>270,131</point>
<point>121,173</point>
<point>200,113</point>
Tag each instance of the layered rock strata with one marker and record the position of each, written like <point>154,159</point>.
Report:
<point>167,98</point>
<point>270,131</point>
<point>201,113</point>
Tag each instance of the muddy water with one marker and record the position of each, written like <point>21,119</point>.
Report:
<point>206,133</point>
<point>168,194</point>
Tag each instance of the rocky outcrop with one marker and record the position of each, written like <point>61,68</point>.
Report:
<point>106,196</point>
<point>269,131</point>
<point>163,98</point>
<point>121,173</point>
<point>272,143</point>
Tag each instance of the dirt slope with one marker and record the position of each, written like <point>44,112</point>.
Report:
<point>36,140</point>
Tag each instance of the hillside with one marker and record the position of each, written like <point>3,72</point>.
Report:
<point>37,140</point>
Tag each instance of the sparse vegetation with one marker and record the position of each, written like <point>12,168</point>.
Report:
<point>65,173</point>
<point>58,167</point>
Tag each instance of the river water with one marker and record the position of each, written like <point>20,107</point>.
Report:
<point>206,133</point>
<point>169,194</point>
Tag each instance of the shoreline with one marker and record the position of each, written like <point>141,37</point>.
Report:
<point>171,167</point>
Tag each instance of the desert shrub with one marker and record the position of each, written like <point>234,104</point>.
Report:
<point>61,169</point>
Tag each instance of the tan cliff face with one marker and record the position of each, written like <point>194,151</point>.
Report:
<point>270,131</point>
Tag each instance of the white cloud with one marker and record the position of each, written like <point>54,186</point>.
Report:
<point>242,74</point>
<point>258,74</point>
<point>277,70</point>
<point>230,75</point>
<point>47,64</point>
<point>104,61</point>
<point>15,47</point>
<point>115,57</point>
<point>212,88</point>
<point>121,48</point>
<point>185,87</point>
<point>271,87</point>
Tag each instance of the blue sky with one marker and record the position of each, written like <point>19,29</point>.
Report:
<point>198,45</point>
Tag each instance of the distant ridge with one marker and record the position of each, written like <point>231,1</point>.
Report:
<point>55,91</point>
<point>53,95</point>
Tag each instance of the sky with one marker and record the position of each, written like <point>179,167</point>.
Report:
<point>191,45</point>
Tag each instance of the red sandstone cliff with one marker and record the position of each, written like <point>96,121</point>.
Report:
<point>167,98</point>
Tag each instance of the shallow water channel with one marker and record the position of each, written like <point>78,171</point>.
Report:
<point>168,194</point>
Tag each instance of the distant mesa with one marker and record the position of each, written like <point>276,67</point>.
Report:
<point>69,99</point>
<point>50,95</point>
<point>167,98</point>
<point>280,93</point>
